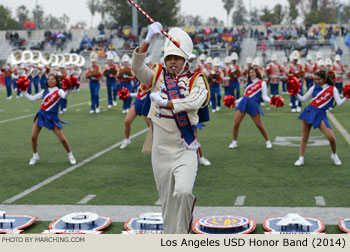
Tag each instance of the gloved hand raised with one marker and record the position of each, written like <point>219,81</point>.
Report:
<point>157,98</point>
<point>154,31</point>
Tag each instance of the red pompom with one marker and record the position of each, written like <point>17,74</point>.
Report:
<point>277,101</point>
<point>293,86</point>
<point>346,91</point>
<point>23,83</point>
<point>74,81</point>
<point>124,94</point>
<point>229,101</point>
<point>66,83</point>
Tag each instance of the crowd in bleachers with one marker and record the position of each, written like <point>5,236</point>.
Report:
<point>14,39</point>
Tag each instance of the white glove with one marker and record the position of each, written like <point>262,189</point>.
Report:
<point>157,98</point>
<point>154,30</point>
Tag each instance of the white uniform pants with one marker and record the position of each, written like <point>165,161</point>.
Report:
<point>175,170</point>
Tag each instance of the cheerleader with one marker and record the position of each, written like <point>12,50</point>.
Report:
<point>249,103</point>
<point>47,116</point>
<point>314,115</point>
<point>135,110</point>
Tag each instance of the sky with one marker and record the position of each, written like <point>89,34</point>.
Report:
<point>77,9</point>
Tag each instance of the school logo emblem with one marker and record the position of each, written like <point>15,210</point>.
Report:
<point>224,224</point>
<point>344,224</point>
<point>14,224</point>
<point>293,224</point>
<point>79,223</point>
<point>147,223</point>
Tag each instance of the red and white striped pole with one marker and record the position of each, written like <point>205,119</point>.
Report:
<point>190,56</point>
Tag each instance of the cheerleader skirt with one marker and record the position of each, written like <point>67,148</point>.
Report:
<point>314,116</point>
<point>247,105</point>
<point>48,120</point>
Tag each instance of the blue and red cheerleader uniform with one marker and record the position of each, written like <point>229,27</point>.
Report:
<point>48,114</point>
<point>250,102</point>
<point>316,111</point>
<point>140,101</point>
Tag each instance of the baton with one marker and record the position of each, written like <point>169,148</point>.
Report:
<point>191,57</point>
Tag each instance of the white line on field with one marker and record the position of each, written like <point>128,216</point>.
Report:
<point>25,116</point>
<point>340,127</point>
<point>72,168</point>
<point>87,199</point>
<point>319,200</point>
<point>240,200</point>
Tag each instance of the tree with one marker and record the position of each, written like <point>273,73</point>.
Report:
<point>190,20</point>
<point>327,13</point>
<point>51,22</point>
<point>93,7</point>
<point>255,18</point>
<point>7,22</point>
<point>278,14</point>
<point>228,5</point>
<point>164,11</point>
<point>213,21</point>
<point>345,14</point>
<point>239,16</point>
<point>22,14</point>
<point>40,15</point>
<point>267,15</point>
<point>102,9</point>
<point>293,11</point>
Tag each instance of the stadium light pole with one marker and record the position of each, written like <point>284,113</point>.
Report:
<point>250,12</point>
<point>134,21</point>
<point>37,15</point>
<point>338,11</point>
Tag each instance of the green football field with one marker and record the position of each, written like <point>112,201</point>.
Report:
<point>266,177</point>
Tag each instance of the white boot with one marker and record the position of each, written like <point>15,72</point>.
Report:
<point>336,159</point>
<point>126,142</point>
<point>204,161</point>
<point>233,145</point>
<point>299,162</point>
<point>34,159</point>
<point>71,158</point>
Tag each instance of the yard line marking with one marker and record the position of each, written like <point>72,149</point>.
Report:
<point>25,116</point>
<point>87,199</point>
<point>340,127</point>
<point>72,168</point>
<point>240,200</point>
<point>320,201</point>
